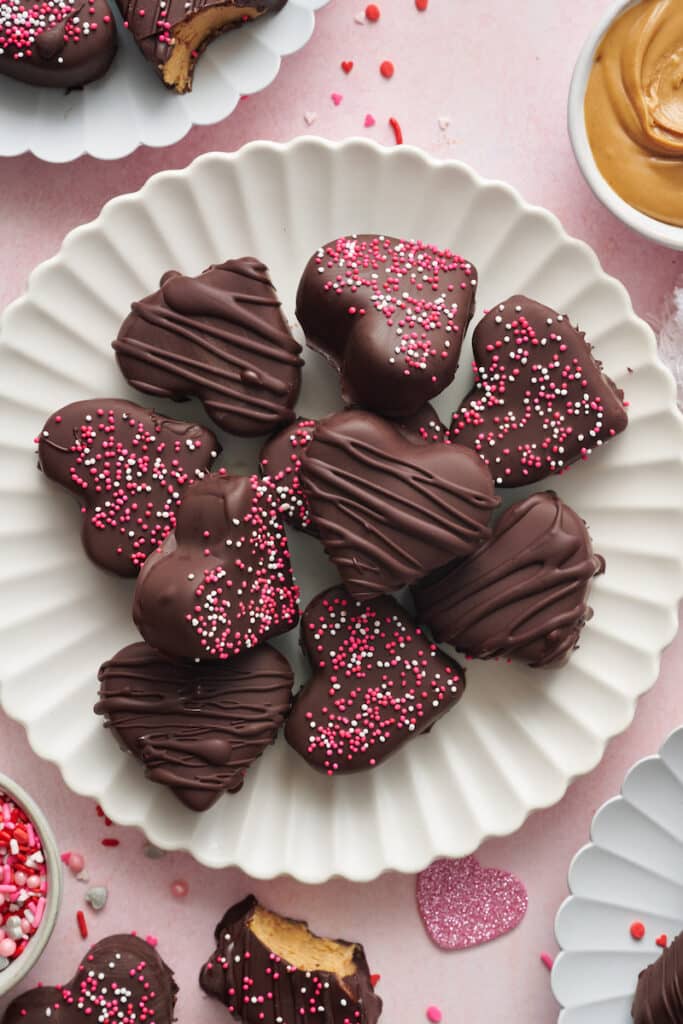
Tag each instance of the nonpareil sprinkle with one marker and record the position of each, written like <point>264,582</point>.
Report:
<point>23,880</point>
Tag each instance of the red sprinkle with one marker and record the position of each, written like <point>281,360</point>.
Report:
<point>637,930</point>
<point>396,128</point>
<point>387,69</point>
<point>422,5</point>
<point>82,924</point>
<point>372,12</point>
<point>547,960</point>
<point>347,66</point>
<point>110,842</point>
<point>662,940</point>
<point>374,979</point>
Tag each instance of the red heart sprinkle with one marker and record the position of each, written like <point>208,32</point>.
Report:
<point>347,66</point>
<point>637,930</point>
<point>374,978</point>
<point>662,941</point>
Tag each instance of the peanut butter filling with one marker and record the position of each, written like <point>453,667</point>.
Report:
<point>191,35</point>
<point>634,108</point>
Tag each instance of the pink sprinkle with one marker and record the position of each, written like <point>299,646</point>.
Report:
<point>547,960</point>
<point>151,940</point>
<point>75,862</point>
<point>336,98</point>
<point>434,1014</point>
<point>369,121</point>
<point>180,888</point>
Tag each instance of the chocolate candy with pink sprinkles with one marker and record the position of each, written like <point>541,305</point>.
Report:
<point>377,681</point>
<point>129,468</point>
<point>222,582</point>
<point>540,400</point>
<point>121,980</point>
<point>390,314</point>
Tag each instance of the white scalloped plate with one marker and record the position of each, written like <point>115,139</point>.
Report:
<point>632,870</point>
<point>518,737</point>
<point>129,106</point>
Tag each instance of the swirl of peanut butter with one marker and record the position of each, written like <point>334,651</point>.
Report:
<point>634,108</point>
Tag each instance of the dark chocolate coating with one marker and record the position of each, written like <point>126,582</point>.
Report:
<point>63,44</point>
<point>129,467</point>
<point>222,582</point>
<point>389,510</point>
<point>121,980</point>
<point>154,24</point>
<point>521,595</point>
<point>281,459</point>
<point>377,681</point>
<point>540,400</point>
<point>195,727</point>
<point>242,963</point>
<point>220,336</point>
<point>390,315</point>
<point>659,995</point>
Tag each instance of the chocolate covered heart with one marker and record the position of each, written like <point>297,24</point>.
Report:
<point>121,980</point>
<point>288,975</point>
<point>540,400</point>
<point>59,43</point>
<point>377,680</point>
<point>463,904</point>
<point>173,34</point>
<point>221,337</point>
<point>195,727</point>
<point>281,459</point>
<point>523,594</point>
<point>390,314</point>
<point>222,582</point>
<point>388,510</point>
<point>129,467</point>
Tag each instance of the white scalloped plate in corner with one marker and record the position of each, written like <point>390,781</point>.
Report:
<point>632,870</point>
<point>130,107</point>
<point>518,738</point>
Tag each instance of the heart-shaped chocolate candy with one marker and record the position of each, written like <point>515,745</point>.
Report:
<point>195,727</point>
<point>121,980</point>
<point>388,510</point>
<point>390,314</point>
<point>377,681</point>
<point>540,400</point>
<point>129,467</point>
<point>222,582</point>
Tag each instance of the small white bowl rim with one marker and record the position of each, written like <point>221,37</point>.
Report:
<point>657,231</point>
<point>20,967</point>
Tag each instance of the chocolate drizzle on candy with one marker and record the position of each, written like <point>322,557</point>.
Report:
<point>222,582</point>
<point>60,43</point>
<point>389,510</point>
<point>390,315</point>
<point>540,400</point>
<point>521,595</point>
<point>269,969</point>
<point>377,681</point>
<point>659,995</point>
<point>195,727</point>
<point>121,980</point>
<point>172,34</point>
<point>129,467</point>
<point>221,337</point>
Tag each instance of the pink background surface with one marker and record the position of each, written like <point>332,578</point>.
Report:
<point>500,72</point>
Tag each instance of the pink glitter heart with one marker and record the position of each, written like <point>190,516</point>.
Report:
<point>463,904</point>
<point>369,121</point>
<point>336,98</point>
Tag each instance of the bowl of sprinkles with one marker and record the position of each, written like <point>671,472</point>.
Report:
<point>30,883</point>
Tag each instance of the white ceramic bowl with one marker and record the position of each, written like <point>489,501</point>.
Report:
<point>656,230</point>
<point>20,967</point>
<point>515,741</point>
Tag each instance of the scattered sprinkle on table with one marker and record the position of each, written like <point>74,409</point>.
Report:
<point>347,66</point>
<point>97,897</point>
<point>547,960</point>
<point>637,930</point>
<point>310,116</point>
<point>422,5</point>
<point>396,129</point>
<point>434,1014</point>
<point>110,842</point>
<point>180,888</point>
<point>82,924</point>
<point>336,98</point>
<point>375,979</point>
<point>369,121</point>
<point>372,12</point>
<point>23,880</point>
<point>662,940</point>
<point>387,69</point>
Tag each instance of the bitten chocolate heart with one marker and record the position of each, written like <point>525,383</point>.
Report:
<point>389,510</point>
<point>377,681</point>
<point>289,975</point>
<point>221,337</point>
<point>121,980</point>
<point>390,315</point>
<point>64,44</point>
<point>195,727</point>
<point>540,400</point>
<point>281,459</point>
<point>129,467</point>
<point>659,993</point>
<point>222,582</point>
<point>173,34</point>
<point>521,595</point>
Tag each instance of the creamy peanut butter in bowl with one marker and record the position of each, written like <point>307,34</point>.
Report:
<point>626,116</point>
